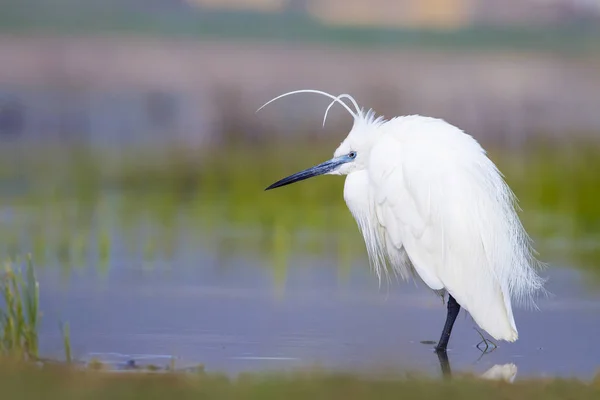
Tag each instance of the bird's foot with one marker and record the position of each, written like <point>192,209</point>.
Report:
<point>485,342</point>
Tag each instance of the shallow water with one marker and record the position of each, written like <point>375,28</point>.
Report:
<point>227,313</point>
<point>193,261</point>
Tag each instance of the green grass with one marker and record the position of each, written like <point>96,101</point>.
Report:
<point>59,383</point>
<point>19,316</point>
<point>20,313</point>
<point>66,334</point>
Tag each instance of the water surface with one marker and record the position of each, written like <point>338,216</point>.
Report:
<point>229,314</point>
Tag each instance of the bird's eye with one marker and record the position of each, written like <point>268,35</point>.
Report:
<point>352,154</point>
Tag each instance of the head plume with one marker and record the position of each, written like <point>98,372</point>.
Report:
<point>355,114</point>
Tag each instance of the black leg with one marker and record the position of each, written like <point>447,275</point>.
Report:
<point>453,309</point>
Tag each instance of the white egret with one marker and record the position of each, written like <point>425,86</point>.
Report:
<point>431,205</point>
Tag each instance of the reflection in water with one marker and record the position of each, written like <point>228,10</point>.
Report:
<point>157,362</point>
<point>504,372</point>
<point>444,364</point>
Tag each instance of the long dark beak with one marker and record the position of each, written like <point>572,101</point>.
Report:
<point>320,169</point>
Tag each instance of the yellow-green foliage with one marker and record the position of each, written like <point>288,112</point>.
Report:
<point>19,315</point>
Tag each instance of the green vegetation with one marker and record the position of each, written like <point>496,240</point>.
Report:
<point>66,334</point>
<point>70,206</point>
<point>19,318</point>
<point>25,382</point>
<point>20,313</point>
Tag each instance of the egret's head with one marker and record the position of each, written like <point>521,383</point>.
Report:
<point>358,143</point>
<point>352,154</point>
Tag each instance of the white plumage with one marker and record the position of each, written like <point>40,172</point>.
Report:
<point>431,205</point>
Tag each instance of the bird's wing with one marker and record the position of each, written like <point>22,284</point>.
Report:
<point>437,206</point>
<point>402,208</point>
